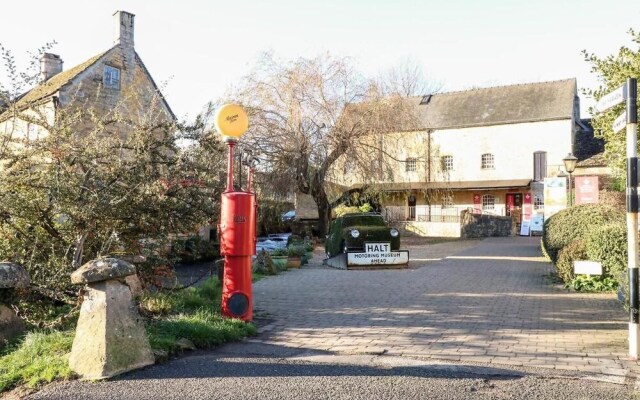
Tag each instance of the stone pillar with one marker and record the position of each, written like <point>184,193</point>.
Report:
<point>110,337</point>
<point>12,277</point>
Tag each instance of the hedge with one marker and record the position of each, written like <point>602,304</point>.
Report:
<point>562,228</point>
<point>608,244</point>
<point>574,251</point>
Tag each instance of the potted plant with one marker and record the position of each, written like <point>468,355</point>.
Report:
<point>308,247</point>
<point>295,256</point>
<point>279,258</point>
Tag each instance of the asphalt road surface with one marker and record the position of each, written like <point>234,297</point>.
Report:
<point>261,371</point>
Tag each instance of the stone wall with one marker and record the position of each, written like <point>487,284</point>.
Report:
<point>479,225</point>
<point>428,229</point>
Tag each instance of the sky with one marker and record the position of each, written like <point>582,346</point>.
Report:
<point>202,48</point>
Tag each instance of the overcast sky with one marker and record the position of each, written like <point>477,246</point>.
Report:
<point>200,47</point>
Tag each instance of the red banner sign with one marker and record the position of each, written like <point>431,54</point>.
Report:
<point>587,189</point>
<point>477,203</point>
<point>526,207</point>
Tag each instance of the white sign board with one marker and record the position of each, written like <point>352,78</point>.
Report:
<point>537,223</point>
<point>378,254</point>
<point>587,267</point>
<point>612,99</point>
<point>524,228</point>
<point>620,123</point>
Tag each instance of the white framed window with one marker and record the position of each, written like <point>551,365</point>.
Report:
<point>111,77</point>
<point>446,163</point>
<point>410,164</point>
<point>488,202</point>
<point>487,161</point>
<point>447,201</point>
<point>538,202</point>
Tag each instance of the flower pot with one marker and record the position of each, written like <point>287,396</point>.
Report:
<point>293,262</point>
<point>309,255</point>
<point>280,262</point>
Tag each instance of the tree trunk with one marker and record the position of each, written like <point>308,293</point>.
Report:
<point>324,214</point>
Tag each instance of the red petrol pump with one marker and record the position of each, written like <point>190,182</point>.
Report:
<point>237,224</point>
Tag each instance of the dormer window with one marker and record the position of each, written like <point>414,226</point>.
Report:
<point>111,78</point>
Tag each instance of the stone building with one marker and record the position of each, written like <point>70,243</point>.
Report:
<point>114,84</point>
<point>486,150</point>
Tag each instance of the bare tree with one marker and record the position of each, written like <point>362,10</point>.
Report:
<point>407,79</point>
<point>308,113</point>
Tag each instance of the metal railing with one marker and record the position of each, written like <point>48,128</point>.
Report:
<point>423,213</point>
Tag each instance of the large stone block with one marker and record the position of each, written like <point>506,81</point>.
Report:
<point>110,336</point>
<point>13,276</point>
<point>102,269</point>
<point>10,325</point>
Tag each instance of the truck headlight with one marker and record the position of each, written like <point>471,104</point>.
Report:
<point>394,232</point>
<point>355,233</point>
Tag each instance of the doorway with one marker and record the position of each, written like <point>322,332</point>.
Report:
<point>411,202</point>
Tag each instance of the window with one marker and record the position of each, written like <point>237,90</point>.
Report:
<point>111,77</point>
<point>446,163</point>
<point>488,202</point>
<point>447,201</point>
<point>538,202</point>
<point>410,165</point>
<point>32,132</point>
<point>539,165</point>
<point>487,161</point>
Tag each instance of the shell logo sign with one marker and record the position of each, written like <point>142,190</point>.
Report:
<point>231,120</point>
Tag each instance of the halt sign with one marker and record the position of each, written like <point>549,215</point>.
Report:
<point>378,254</point>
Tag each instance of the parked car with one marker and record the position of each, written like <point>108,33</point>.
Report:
<point>271,243</point>
<point>289,216</point>
<point>351,231</point>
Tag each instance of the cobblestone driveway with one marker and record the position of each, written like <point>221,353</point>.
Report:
<point>480,301</point>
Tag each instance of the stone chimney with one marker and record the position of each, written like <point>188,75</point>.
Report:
<point>50,65</point>
<point>123,29</point>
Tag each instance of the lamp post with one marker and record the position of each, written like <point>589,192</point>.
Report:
<point>237,223</point>
<point>570,165</point>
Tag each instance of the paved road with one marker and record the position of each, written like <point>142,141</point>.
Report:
<point>489,302</point>
<point>470,319</point>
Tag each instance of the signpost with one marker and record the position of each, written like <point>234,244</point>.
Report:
<point>629,92</point>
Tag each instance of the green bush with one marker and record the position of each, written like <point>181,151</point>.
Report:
<point>574,251</point>
<point>608,244</point>
<point>296,250</point>
<point>585,283</point>
<point>571,223</point>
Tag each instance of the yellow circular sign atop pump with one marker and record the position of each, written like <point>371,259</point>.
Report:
<point>231,120</point>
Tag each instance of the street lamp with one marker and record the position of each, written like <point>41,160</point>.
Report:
<point>570,165</point>
<point>237,223</point>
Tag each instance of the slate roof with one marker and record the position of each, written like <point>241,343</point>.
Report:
<point>531,102</point>
<point>58,81</point>
<point>55,83</point>
<point>586,144</point>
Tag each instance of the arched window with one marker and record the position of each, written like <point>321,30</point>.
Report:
<point>488,202</point>
<point>487,161</point>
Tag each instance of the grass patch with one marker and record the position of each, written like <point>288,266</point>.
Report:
<point>204,328</point>
<point>193,314</point>
<point>40,358</point>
